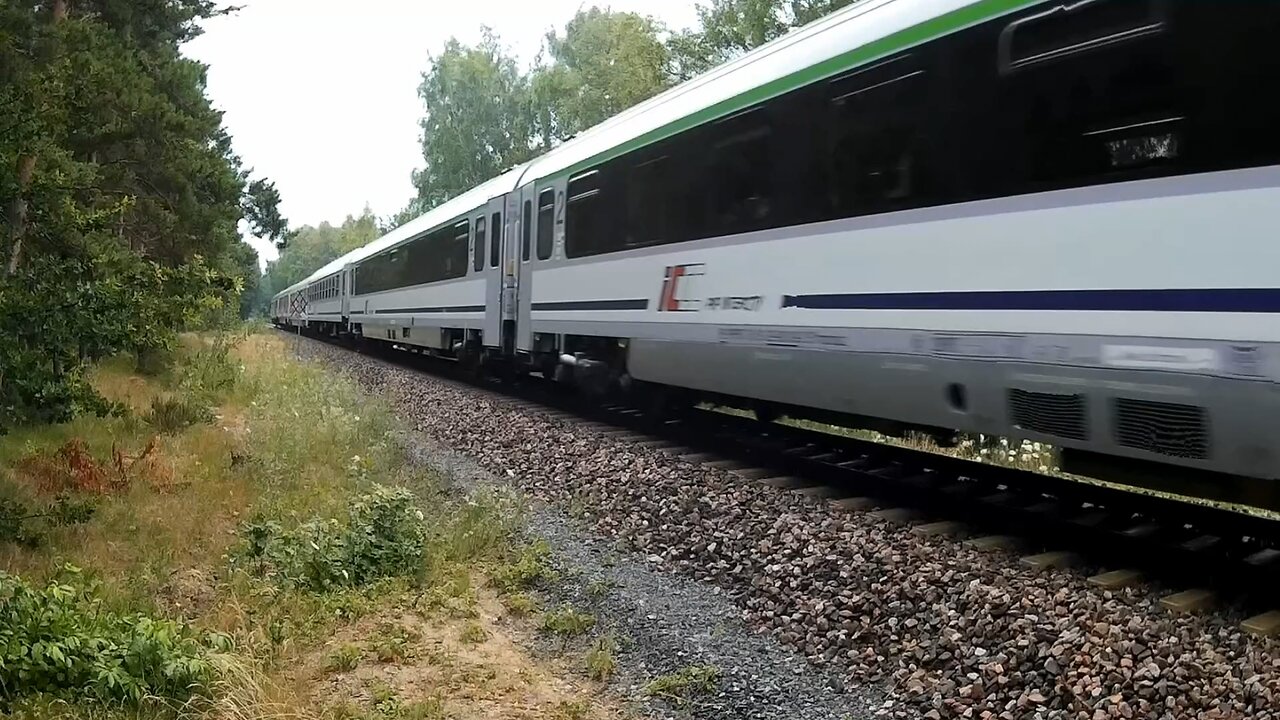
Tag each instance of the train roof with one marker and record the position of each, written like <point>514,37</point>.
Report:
<point>858,33</point>
<point>854,35</point>
<point>425,222</point>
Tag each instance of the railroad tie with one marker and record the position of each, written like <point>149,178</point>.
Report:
<point>1188,601</point>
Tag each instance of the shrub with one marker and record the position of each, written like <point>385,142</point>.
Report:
<point>173,415</point>
<point>383,536</point>
<point>60,641</point>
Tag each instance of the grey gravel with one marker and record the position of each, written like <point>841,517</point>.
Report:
<point>943,630</point>
<point>664,623</point>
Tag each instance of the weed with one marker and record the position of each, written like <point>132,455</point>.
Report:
<point>344,658</point>
<point>430,709</point>
<point>173,415</point>
<point>571,710</point>
<point>473,633</point>
<point>567,623</point>
<point>600,588</point>
<point>391,642</point>
<point>519,604</point>
<point>60,639</point>
<point>383,536</point>
<point>529,570</point>
<point>209,372</point>
<point>601,663</point>
<point>685,683</point>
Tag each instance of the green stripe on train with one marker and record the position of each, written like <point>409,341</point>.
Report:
<point>934,28</point>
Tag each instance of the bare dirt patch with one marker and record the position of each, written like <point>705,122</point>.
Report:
<point>400,663</point>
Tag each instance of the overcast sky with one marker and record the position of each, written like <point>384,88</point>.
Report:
<point>321,95</point>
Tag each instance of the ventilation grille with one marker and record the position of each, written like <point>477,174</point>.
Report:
<point>1165,428</point>
<point>1049,413</point>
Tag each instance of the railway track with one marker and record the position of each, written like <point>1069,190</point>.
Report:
<point>1199,556</point>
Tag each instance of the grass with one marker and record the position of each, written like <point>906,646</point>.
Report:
<point>230,447</point>
<point>601,662</point>
<point>685,684</point>
<point>567,623</point>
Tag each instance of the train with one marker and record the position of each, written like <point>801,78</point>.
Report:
<point>1055,221</point>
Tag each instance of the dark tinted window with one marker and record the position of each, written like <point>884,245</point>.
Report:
<point>546,223</point>
<point>478,251</point>
<point>495,242</point>
<point>526,229</point>
<point>584,232</point>
<point>439,255</point>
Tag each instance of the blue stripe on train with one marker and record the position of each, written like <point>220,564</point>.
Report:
<point>1214,300</point>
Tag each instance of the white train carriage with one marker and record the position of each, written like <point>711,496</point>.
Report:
<point>435,283</point>
<point>1039,219</point>
<point>1055,221</point>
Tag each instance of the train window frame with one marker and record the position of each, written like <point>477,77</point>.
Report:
<point>495,239</point>
<point>526,230</point>
<point>480,245</point>
<point>1153,22</point>
<point>546,223</point>
<point>740,147</point>
<point>585,195</point>
<point>647,215</point>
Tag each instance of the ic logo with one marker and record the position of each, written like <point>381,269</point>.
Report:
<point>679,288</point>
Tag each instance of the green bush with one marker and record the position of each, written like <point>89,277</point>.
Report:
<point>25,524</point>
<point>60,641</point>
<point>383,536</point>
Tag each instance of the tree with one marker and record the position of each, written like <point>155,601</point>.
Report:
<point>604,63</point>
<point>120,191</point>
<point>729,28</point>
<point>261,207</point>
<point>313,247</point>
<point>476,123</point>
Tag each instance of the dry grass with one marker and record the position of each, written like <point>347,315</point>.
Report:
<point>287,441</point>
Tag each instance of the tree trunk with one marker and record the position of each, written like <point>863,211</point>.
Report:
<point>18,211</point>
<point>27,164</point>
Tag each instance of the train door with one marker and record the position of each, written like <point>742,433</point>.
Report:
<point>491,331</point>
<point>521,254</point>
<point>344,292</point>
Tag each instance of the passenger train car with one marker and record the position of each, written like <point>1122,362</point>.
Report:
<point>1047,220</point>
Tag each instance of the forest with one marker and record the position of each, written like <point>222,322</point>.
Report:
<point>120,193</point>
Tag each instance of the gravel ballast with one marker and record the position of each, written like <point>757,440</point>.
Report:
<point>919,626</point>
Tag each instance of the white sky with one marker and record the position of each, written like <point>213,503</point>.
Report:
<point>321,96</point>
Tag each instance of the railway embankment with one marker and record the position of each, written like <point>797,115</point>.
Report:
<point>244,537</point>
<point>911,623</point>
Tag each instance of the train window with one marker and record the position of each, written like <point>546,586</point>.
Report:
<point>1071,29</point>
<point>739,173</point>
<point>647,188</point>
<point>495,239</point>
<point>455,265</point>
<point>584,232</point>
<point>875,119</point>
<point>478,252</point>
<point>546,223</point>
<point>526,229</point>
<point>1092,117</point>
